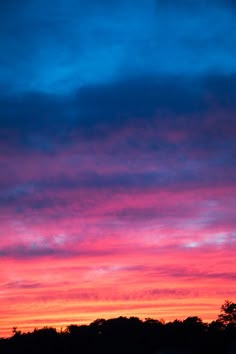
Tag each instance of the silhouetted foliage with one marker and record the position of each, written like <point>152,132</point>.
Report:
<point>228,315</point>
<point>131,336</point>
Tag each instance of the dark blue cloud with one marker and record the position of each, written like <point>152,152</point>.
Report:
<point>35,121</point>
<point>140,97</point>
<point>45,122</point>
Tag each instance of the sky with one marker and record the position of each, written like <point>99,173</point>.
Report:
<point>117,160</point>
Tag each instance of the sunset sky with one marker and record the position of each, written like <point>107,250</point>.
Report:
<point>117,160</point>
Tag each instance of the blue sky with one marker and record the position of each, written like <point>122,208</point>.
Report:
<point>61,46</point>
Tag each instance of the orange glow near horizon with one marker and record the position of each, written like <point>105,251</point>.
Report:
<point>147,283</point>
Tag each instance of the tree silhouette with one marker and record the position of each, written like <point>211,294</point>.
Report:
<point>124,335</point>
<point>228,315</point>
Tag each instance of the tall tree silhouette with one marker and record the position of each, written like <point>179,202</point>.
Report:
<point>228,315</point>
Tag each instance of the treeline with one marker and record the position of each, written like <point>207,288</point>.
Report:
<point>131,336</point>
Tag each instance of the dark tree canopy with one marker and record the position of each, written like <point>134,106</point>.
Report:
<point>124,335</point>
